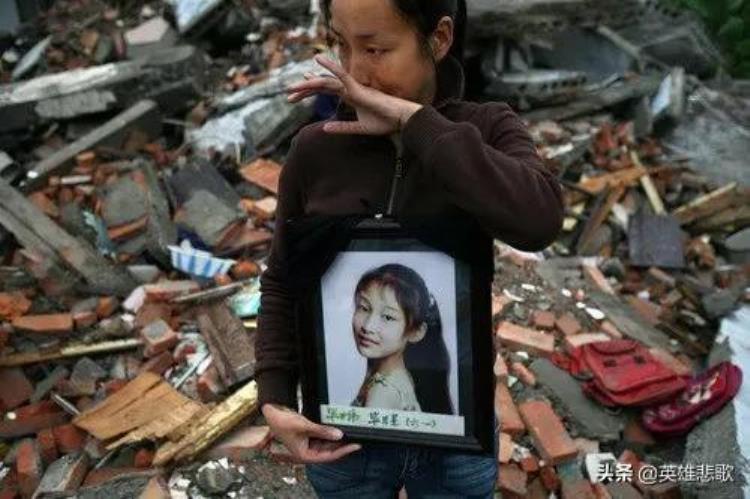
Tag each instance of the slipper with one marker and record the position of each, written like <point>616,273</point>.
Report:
<point>705,395</point>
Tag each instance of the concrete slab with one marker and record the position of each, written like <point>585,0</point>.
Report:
<point>589,418</point>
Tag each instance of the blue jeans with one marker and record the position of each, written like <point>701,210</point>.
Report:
<point>380,470</point>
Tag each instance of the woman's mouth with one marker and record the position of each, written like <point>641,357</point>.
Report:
<point>366,342</point>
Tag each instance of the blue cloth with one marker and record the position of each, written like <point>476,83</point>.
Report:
<point>380,470</point>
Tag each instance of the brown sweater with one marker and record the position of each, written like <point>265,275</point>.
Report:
<point>457,159</point>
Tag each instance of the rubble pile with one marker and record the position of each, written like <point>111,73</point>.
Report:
<point>140,151</point>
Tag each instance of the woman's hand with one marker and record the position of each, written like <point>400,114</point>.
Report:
<point>378,113</point>
<point>308,442</point>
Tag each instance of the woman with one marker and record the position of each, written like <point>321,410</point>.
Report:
<point>403,142</point>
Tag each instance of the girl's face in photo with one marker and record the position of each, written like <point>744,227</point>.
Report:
<point>381,50</point>
<point>379,323</point>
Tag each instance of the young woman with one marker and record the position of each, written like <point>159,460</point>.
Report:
<point>396,327</point>
<point>402,142</point>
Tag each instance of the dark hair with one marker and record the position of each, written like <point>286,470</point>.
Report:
<point>424,15</point>
<point>427,360</point>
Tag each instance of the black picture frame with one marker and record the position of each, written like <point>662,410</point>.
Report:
<point>473,356</point>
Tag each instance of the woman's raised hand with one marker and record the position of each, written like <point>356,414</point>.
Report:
<point>377,113</point>
<point>308,442</point>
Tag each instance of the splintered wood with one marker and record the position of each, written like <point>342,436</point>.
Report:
<point>147,408</point>
<point>187,442</point>
<point>232,347</point>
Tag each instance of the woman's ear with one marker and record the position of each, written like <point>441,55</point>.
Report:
<point>442,38</point>
<point>416,335</point>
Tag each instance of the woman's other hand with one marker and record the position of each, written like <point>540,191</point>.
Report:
<point>378,113</point>
<point>308,442</point>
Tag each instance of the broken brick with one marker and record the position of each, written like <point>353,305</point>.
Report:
<point>578,340</point>
<point>69,438</point>
<point>85,319</point>
<point>568,325</point>
<point>151,312</point>
<point>16,388</point>
<point>544,319</point>
<point>158,365</point>
<point>520,338</point>
<point>45,324</point>
<point>166,290</point>
<point>649,311</point>
<point>13,305</point>
<point>511,480</point>
<point>143,458</point>
<point>158,337</point>
<point>107,306</point>
<point>507,413</point>
<point>550,479</point>
<point>499,302</point>
<point>548,433</point>
<point>505,448</point>
<point>530,464</point>
<point>500,368</point>
<point>596,278</point>
<point>523,373</point>
<point>29,467</point>
<point>47,446</point>
<point>577,489</point>
<point>244,269</point>
<point>210,385</point>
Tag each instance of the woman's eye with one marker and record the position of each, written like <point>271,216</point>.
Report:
<point>389,318</point>
<point>374,51</point>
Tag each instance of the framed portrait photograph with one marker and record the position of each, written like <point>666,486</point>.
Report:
<point>401,344</point>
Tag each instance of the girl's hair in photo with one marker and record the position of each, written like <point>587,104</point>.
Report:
<point>424,15</point>
<point>427,360</point>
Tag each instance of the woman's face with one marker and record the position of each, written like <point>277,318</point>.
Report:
<point>379,323</point>
<point>381,50</point>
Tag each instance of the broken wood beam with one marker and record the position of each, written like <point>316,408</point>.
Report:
<point>598,217</point>
<point>68,352</point>
<point>706,205</point>
<point>232,347</point>
<point>649,187</point>
<point>37,231</point>
<point>209,428</point>
<point>143,116</point>
<point>596,185</point>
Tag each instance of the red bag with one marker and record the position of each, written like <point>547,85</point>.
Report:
<point>704,396</point>
<point>624,373</point>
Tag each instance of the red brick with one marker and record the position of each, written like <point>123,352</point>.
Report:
<point>115,385</point>
<point>210,386</point>
<point>507,413</point>
<point>241,443</point>
<point>544,319</point>
<point>572,342</point>
<point>158,365</point>
<point>649,311</point>
<point>522,372</point>
<point>143,458</point>
<point>530,464</point>
<point>577,489</point>
<point>568,325</point>
<point>536,490</point>
<point>166,290</point>
<point>511,480</point>
<point>595,277</point>
<point>520,338</point>
<point>30,425</point>
<point>85,319</point>
<point>29,467</point>
<point>548,433</point>
<point>549,478</point>
<point>107,306</point>
<point>47,446</point>
<point>610,329</point>
<point>635,433</point>
<point>69,439</point>
<point>16,388</point>
<point>151,312</point>
<point>45,324</point>
<point>505,448</point>
<point>630,457</point>
<point>245,269</point>
<point>500,369</point>
<point>13,305</point>
<point>102,475</point>
<point>499,302</point>
<point>158,337</point>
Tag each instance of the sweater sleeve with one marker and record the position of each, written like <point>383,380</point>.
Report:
<point>277,370</point>
<point>501,180</point>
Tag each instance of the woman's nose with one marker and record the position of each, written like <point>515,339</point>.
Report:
<point>359,70</point>
<point>371,324</point>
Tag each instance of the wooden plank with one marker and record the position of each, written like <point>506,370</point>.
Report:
<point>706,205</point>
<point>68,351</point>
<point>232,347</point>
<point>32,227</point>
<point>598,217</point>
<point>648,186</point>
<point>599,184</point>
